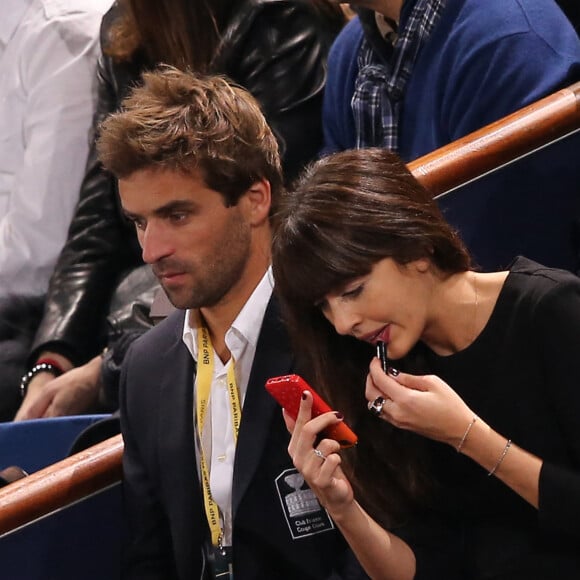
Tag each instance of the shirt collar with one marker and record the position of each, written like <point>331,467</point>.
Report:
<point>12,14</point>
<point>248,322</point>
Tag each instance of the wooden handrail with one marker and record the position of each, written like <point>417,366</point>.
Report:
<point>98,467</point>
<point>500,142</point>
<point>61,484</point>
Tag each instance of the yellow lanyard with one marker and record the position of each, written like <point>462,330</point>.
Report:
<point>204,379</point>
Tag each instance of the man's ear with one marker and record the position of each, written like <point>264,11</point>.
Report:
<point>257,202</point>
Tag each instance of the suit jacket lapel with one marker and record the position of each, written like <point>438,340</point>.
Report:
<point>273,357</point>
<point>176,400</point>
<point>176,436</point>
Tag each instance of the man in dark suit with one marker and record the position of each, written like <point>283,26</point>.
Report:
<point>209,486</point>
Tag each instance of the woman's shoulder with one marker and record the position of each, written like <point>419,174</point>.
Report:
<point>542,285</point>
<point>533,270</point>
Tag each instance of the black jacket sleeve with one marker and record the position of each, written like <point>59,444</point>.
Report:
<point>100,246</point>
<point>558,321</point>
<point>282,51</point>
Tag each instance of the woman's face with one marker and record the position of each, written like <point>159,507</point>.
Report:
<point>391,304</point>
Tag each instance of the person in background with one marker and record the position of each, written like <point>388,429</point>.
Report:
<point>416,75</point>
<point>98,293</point>
<point>470,456</point>
<point>48,54</point>
<point>208,484</point>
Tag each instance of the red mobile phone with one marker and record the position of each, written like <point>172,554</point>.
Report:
<point>288,389</point>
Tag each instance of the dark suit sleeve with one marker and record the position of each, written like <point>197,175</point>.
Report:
<point>147,552</point>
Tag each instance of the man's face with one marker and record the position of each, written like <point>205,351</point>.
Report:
<point>197,247</point>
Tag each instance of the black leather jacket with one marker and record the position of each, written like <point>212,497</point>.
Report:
<point>276,49</point>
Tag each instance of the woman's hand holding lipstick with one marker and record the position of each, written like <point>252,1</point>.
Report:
<point>423,404</point>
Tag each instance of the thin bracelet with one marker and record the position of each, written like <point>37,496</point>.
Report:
<point>472,422</point>
<point>501,458</point>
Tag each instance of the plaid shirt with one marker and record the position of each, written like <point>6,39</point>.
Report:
<point>383,75</point>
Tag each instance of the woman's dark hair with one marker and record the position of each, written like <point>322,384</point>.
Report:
<point>347,212</point>
<point>185,33</point>
<point>182,33</point>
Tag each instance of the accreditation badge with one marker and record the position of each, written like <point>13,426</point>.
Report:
<point>304,514</point>
<point>220,561</point>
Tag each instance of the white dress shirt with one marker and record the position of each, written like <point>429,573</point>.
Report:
<point>48,52</point>
<point>218,439</point>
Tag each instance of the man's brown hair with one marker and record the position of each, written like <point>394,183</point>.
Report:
<point>188,122</point>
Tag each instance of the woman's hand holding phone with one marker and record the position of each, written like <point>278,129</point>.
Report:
<point>288,391</point>
<point>381,554</point>
<point>318,434</point>
<point>319,461</point>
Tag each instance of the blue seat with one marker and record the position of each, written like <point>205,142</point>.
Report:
<point>81,542</point>
<point>37,443</point>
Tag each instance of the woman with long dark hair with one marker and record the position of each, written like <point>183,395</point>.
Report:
<point>469,447</point>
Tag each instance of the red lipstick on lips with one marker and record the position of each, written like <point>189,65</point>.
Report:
<point>383,335</point>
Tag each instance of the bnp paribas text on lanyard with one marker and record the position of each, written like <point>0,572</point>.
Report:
<point>205,366</point>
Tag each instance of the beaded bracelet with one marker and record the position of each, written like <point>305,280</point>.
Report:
<point>472,422</point>
<point>50,361</point>
<point>501,458</point>
<point>35,370</point>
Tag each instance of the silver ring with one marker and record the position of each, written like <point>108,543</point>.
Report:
<point>319,453</point>
<point>376,406</point>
